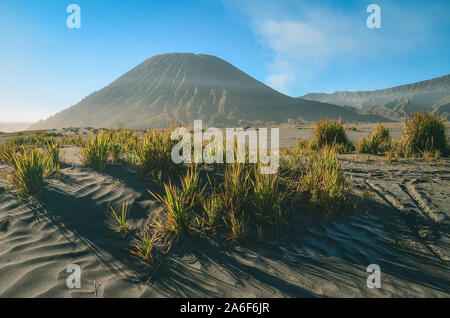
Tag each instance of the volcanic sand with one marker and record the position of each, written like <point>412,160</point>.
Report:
<point>404,229</point>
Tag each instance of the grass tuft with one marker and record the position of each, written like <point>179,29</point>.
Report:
<point>325,181</point>
<point>190,185</point>
<point>177,210</point>
<point>54,152</point>
<point>423,132</point>
<point>30,167</point>
<point>213,206</point>
<point>237,224</point>
<point>116,149</point>
<point>154,151</point>
<point>236,184</point>
<point>379,141</point>
<point>268,198</point>
<point>330,132</point>
<point>145,246</point>
<point>96,151</point>
<point>73,140</point>
<point>121,218</point>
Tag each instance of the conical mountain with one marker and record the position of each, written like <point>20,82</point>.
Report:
<point>182,87</point>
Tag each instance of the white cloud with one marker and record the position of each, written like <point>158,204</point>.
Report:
<point>301,43</point>
<point>280,82</point>
<point>286,36</point>
<point>303,38</point>
<point>300,48</point>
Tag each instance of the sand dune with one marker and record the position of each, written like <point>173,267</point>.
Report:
<point>405,232</point>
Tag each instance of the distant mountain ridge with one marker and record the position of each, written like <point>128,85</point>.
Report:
<point>182,87</point>
<point>396,102</point>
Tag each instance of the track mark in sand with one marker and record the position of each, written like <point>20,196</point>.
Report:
<point>415,225</point>
<point>386,196</point>
<point>427,208</point>
<point>435,215</point>
<point>420,230</point>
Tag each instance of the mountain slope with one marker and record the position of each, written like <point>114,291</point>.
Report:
<point>442,107</point>
<point>394,102</point>
<point>180,87</point>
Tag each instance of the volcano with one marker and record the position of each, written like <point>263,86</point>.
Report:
<point>181,87</point>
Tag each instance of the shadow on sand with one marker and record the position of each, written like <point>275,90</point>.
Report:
<point>329,254</point>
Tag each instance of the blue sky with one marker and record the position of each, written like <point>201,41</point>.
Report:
<point>296,47</point>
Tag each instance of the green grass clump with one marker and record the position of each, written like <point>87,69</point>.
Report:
<point>212,207</point>
<point>121,218</point>
<point>379,141</point>
<point>292,160</point>
<point>325,182</point>
<point>190,185</point>
<point>236,199</point>
<point>38,140</point>
<point>238,224</point>
<point>154,151</point>
<point>96,151</point>
<point>126,135</point>
<point>423,132</point>
<point>30,167</point>
<point>77,141</point>
<point>330,132</point>
<point>54,152</point>
<point>269,198</point>
<point>145,246</point>
<point>5,151</point>
<point>240,202</point>
<point>116,148</point>
<point>176,218</point>
<point>236,185</point>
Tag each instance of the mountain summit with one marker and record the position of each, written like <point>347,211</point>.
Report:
<point>181,87</point>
